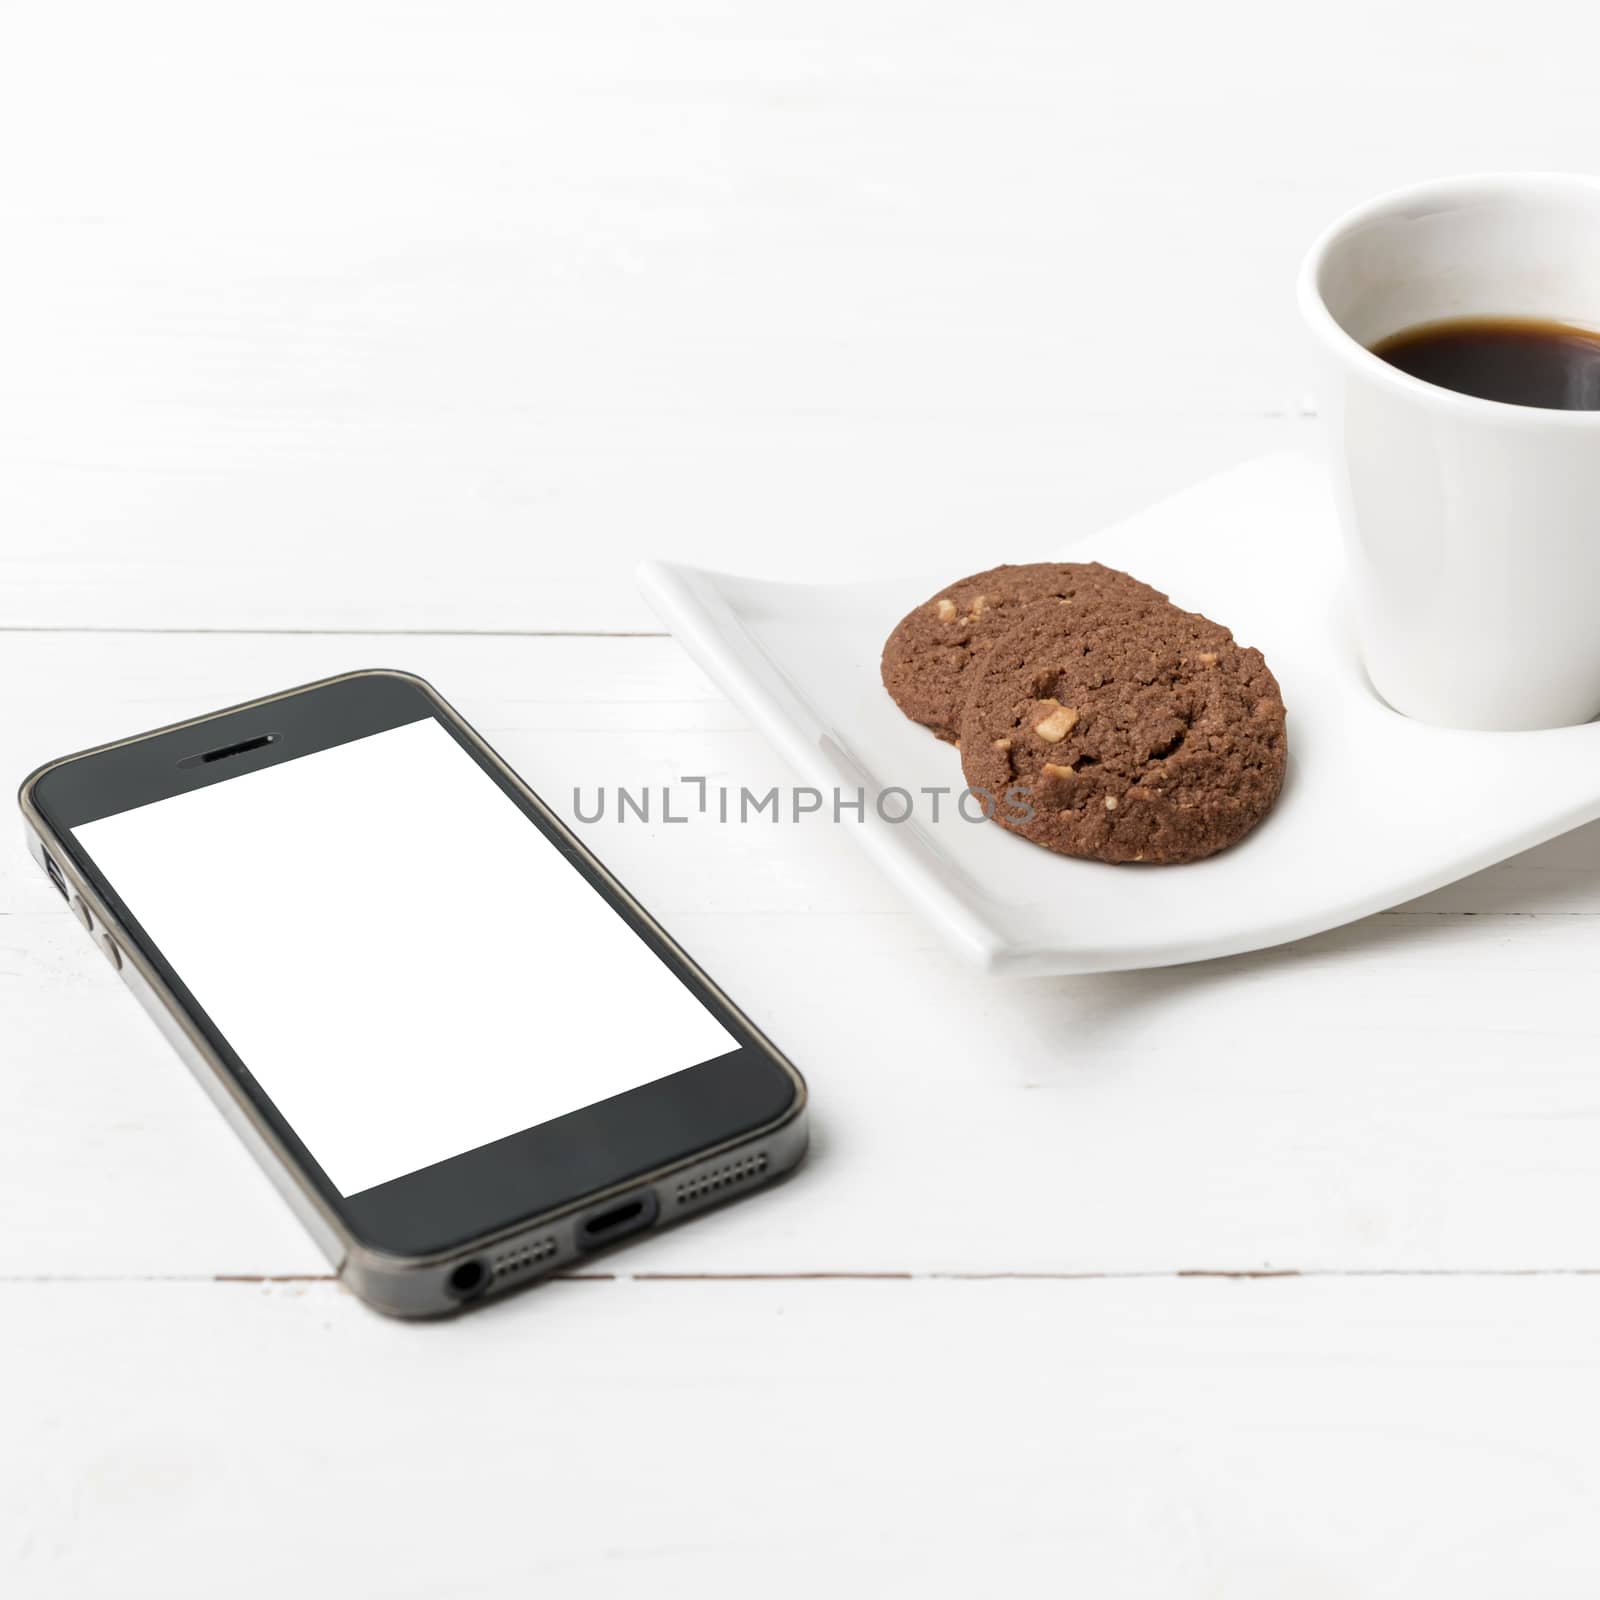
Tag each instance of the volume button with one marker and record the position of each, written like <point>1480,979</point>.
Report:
<point>81,912</point>
<point>109,946</point>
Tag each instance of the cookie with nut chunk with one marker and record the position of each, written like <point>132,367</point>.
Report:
<point>1137,733</point>
<point>928,656</point>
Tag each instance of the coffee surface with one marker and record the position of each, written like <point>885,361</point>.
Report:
<point>1521,361</point>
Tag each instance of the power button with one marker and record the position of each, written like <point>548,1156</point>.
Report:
<point>109,946</point>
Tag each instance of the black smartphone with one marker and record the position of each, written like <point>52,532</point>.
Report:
<point>463,1051</point>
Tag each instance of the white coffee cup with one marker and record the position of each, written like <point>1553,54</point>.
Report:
<point>1472,527</point>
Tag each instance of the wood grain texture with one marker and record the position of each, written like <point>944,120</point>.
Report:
<point>1125,1440</point>
<point>464,309</point>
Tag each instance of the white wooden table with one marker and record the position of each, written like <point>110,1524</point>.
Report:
<point>340,334</point>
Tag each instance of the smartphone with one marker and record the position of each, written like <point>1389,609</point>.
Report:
<point>465,1054</point>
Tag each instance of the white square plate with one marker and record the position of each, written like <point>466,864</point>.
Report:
<point>1376,809</point>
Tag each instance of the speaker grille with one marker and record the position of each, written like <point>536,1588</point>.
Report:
<point>510,1262</point>
<point>719,1178</point>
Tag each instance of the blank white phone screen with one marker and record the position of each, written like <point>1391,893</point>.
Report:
<point>400,958</point>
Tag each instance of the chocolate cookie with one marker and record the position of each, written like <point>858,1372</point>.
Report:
<point>1139,732</point>
<point>927,657</point>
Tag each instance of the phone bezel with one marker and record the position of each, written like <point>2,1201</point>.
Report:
<point>537,1171</point>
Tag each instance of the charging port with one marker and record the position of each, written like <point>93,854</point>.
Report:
<point>618,1220</point>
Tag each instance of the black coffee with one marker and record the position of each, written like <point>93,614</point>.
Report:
<point>1520,360</point>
